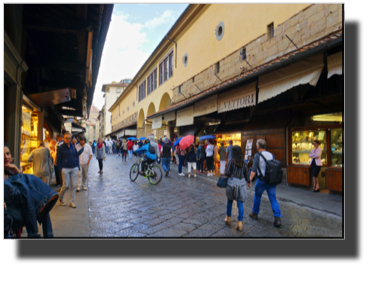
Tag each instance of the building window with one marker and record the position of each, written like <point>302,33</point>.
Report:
<point>243,54</point>
<point>118,89</point>
<point>141,91</point>
<point>179,90</point>
<point>134,103</point>
<point>152,81</point>
<point>185,59</point>
<point>193,79</point>
<point>166,68</point>
<point>126,81</point>
<point>128,108</point>
<point>123,112</point>
<point>270,31</point>
<point>216,70</point>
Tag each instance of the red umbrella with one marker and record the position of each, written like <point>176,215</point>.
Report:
<point>186,142</point>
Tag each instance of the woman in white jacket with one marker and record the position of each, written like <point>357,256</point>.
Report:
<point>315,164</point>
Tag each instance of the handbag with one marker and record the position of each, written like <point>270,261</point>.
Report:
<point>222,182</point>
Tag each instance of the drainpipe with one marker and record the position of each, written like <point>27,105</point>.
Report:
<point>176,48</point>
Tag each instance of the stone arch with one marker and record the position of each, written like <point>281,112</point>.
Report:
<point>151,109</point>
<point>141,118</point>
<point>165,101</point>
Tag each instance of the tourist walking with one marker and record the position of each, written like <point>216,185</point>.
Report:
<point>124,150</point>
<point>130,149</point>
<point>68,161</point>
<point>181,155</point>
<point>118,145</point>
<point>229,151</point>
<point>236,189</point>
<point>259,165</point>
<point>209,157</point>
<point>100,154</point>
<point>85,159</point>
<point>200,155</point>
<point>222,158</point>
<point>166,156</point>
<point>191,159</point>
<point>58,175</point>
<point>215,156</point>
<point>41,158</point>
<point>135,146</point>
<point>315,164</point>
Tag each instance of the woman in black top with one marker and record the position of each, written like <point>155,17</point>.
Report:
<point>237,172</point>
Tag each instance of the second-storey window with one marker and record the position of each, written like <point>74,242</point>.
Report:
<point>118,90</point>
<point>166,68</point>
<point>141,91</point>
<point>152,81</point>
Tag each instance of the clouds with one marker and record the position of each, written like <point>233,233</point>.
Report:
<point>167,16</point>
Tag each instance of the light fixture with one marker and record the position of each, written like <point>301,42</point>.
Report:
<point>333,117</point>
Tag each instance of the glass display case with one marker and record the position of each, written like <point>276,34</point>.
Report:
<point>302,144</point>
<point>236,139</point>
<point>29,138</point>
<point>336,147</point>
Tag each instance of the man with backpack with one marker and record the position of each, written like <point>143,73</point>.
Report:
<point>269,174</point>
<point>150,153</point>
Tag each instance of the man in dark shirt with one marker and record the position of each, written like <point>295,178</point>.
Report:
<point>166,155</point>
<point>69,163</point>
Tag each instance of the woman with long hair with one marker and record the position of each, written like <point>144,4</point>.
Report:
<point>237,172</point>
<point>191,159</point>
<point>124,150</point>
<point>315,164</point>
<point>100,153</point>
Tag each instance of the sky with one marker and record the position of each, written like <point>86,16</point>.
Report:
<point>135,31</point>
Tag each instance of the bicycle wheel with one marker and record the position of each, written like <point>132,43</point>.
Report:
<point>133,173</point>
<point>155,174</point>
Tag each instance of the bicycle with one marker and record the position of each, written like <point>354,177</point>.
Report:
<point>153,172</point>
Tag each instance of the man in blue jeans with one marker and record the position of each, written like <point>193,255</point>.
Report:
<point>261,186</point>
<point>166,156</point>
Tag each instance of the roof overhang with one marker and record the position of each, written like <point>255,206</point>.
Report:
<point>54,97</point>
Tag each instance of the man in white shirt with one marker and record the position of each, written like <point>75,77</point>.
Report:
<point>85,158</point>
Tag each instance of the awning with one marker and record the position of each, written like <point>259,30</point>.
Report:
<point>130,133</point>
<point>306,71</point>
<point>169,116</point>
<point>205,106</point>
<point>156,122</point>
<point>190,130</point>
<point>120,134</point>
<point>184,117</point>
<point>334,64</point>
<point>238,98</point>
<point>54,97</point>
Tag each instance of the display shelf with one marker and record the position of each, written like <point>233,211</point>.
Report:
<point>337,152</point>
<point>304,151</point>
<point>302,141</point>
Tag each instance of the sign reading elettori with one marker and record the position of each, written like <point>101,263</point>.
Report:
<point>233,103</point>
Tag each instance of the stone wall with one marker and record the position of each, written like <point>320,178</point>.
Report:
<point>312,23</point>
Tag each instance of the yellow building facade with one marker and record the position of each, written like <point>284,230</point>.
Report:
<point>205,43</point>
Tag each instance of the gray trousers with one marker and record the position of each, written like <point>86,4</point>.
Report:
<point>69,178</point>
<point>82,176</point>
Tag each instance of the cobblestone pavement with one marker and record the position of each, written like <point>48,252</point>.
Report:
<point>187,207</point>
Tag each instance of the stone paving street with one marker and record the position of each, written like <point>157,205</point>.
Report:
<point>186,207</point>
<point>113,206</point>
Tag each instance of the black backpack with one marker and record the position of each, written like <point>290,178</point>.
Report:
<point>151,149</point>
<point>273,171</point>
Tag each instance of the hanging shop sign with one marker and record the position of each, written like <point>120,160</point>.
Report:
<point>169,116</point>
<point>130,132</point>
<point>206,106</point>
<point>184,117</point>
<point>238,98</point>
<point>157,122</point>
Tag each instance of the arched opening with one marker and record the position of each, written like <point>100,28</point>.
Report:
<point>141,117</point>
<point>151,109</point>
<point>165,101</point>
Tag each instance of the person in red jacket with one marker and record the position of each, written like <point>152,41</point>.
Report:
<point>130,148</point>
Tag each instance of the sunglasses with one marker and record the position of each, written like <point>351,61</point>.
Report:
<point>67,138</point>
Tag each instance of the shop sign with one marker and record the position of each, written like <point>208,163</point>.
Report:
<point>206,106</point>
<point>130,132</point>
<point>184,117</point>
<point>232,103</point>
<point>157,122</point>
<point>169,116</point>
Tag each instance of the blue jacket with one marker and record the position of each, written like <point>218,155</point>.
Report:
<point>29,200</point>
<point>191,156</point>
<point>67,157</point>
<point>200,152</point>
<point>145,149</point>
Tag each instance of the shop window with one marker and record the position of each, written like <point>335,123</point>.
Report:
<point>302,145</point>
<point>336,147</point>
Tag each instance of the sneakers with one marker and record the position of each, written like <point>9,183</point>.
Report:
<point>254,216</point>
<point>72,205</point>
<point>61,202</point>
<point>167,173</point>
<point>277,222</point>
<point>77,190</point>
<point>195,175</point>
<point>181,174</point>
<point>84,188</point>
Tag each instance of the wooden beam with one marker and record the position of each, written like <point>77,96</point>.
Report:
<point>54,29</point>
<point>59,65</point>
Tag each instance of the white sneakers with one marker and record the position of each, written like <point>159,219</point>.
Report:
<point>210,175</point>
<point>181,174</point>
